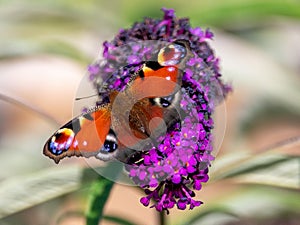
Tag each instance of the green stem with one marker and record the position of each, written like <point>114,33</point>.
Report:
<point>100,191</point>
<point>162,218</point>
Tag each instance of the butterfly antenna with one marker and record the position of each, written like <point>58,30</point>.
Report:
<point>79,98</point>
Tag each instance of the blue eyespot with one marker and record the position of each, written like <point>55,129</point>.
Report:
<point>53,147</point>
<point>109,146</point>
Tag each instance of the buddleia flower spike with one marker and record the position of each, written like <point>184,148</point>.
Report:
<point>170,171</point>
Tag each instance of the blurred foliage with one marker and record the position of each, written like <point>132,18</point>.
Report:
<point>268,180</point>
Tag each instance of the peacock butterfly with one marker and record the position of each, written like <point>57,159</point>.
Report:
<point>112,130</point>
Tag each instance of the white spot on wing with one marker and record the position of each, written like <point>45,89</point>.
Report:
<point>81,121</point>
<point>111,137</point>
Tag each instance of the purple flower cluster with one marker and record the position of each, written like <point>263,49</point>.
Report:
<point>168,172</point>
<point>181,159</point>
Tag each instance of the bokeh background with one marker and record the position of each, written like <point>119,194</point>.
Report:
<point>45,47</point>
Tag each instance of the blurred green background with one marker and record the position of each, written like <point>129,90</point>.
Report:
<point>45,47</point>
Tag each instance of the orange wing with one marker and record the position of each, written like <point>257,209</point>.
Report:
<point>160,82</point>
<point>82,136</point>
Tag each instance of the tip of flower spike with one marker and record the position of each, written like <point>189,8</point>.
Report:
<point>168,13</point>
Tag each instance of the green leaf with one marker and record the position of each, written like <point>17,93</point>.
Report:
<point>19,193</point>
<point>267,169</point>
<point>251,199</point>
<point>267,112</point>
<point>283,173</point>
<point>247,202</point>
<point>249,164</point>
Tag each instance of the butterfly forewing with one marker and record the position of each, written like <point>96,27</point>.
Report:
<point>82,136</point>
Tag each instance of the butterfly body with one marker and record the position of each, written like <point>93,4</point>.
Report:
<point>132,119</point>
